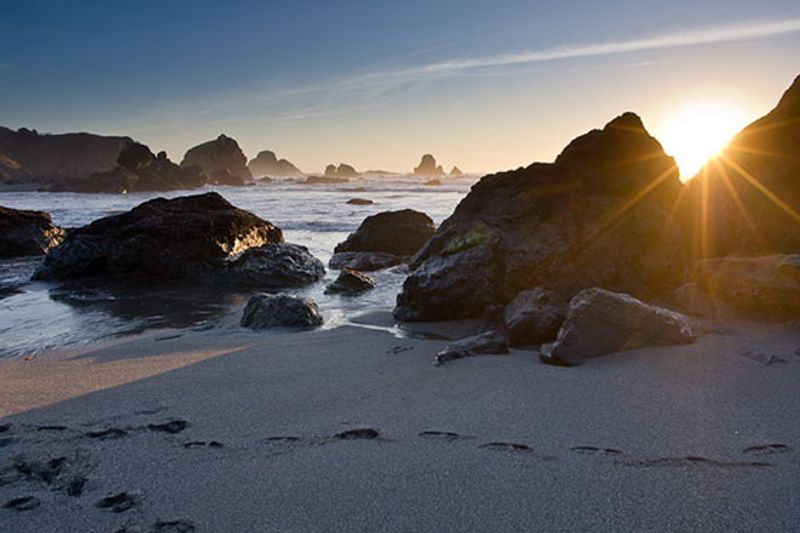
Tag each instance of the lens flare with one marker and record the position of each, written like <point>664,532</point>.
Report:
<point>698,132</point>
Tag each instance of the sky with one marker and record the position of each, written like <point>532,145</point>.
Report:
<point>485,85</point>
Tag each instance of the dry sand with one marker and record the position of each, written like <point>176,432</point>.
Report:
<point>699,437</point>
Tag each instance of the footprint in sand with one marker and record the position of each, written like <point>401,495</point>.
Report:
<point>202,444</point>
<point>174,526</point>
<point>448,436</point>
<point>173,426</point>
<point>5,428</point>
<point>25,503</point>
<point>119,503</point>
<point>506,447</point>
<point>358,434</point>
<point>767,449</point>
<point>6,441</point>
<point>593,450</point>
<point>52,428</point>
<point>105,434</point>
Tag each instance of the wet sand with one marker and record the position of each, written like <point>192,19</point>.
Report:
<point>354,429</point>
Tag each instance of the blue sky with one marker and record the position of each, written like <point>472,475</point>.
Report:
<point>485,85</point>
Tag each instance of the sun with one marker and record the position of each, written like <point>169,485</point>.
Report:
<point>697,132</point>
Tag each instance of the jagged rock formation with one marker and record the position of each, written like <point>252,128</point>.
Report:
<point>267,164</point>
<point>392,235</point>
<point>428,167</point>
<point>221,160</point>
<point>456,172</point>
<point>188,238</point>
<point>138,170</point>
<point>746,201</point>
<point>602,322</point>
<point>24,233</point>
<point>27,156</point>
<point>342,171</point>
<point>600,215</point>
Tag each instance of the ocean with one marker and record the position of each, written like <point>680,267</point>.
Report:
<point>36,317</point>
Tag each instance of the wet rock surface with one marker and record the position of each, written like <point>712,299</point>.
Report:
<point>280,311</point>
<point>350,282</point>
<point>24,233</point>
<point>364,261</point>
<point>275,266</point>
<point>160,241</point>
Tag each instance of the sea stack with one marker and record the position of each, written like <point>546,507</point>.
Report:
<point>266,163</point>
<point>428,167</point>
<point>221,160</point>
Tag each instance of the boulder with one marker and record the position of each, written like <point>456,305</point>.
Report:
<point>267,164</point>
<point>273,266</point>
<point>762,288</point>
<point>534,317</point>
<point>163,241</point>
<point>27,156</point>
<point>139,170</point>
<point>486,343</point>
<point>280,311</point>
<point>350,282</point>
<point>24,233</point>
<point>221,160</point>
<point>601,322</point>
<point>359,201</point>
<point>393,232</point>
<point>746,201</point>
<point>364,261</point>
<point>428,167</point>
<point>600,215</point>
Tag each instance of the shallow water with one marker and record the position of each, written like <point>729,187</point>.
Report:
<point>36,317</point>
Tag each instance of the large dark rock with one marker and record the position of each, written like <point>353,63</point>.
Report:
<point>24,233</point>
<point>267,164</point>
<point>391,232</point>
<point>139,170</point>
<point>602,322</point>
<point>186,238</point>
<point>274,266</point>
<point>600,215</point>
<point>26,156</point>
<point>761,288</point>
<point>746,201</point>
<point>350,282</point>
<point>428,167</point>
<point>388,238</point>
<point>221,160</point>
<point>278,310</point>
<point>534,317</point>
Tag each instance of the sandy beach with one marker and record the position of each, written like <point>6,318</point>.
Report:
<point>353,429</point>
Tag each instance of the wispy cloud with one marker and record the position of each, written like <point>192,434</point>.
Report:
<point>695,37</point>
<point>372,88</point>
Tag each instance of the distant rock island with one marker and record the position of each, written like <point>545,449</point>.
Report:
<point>456,172</point>
<point>342,171</point>
<point>221,160</point>
<point>266,163</point>
<point>428,167</point>
<point>138,170</point>
<point>51,159</point>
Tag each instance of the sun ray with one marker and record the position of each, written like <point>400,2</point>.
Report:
<point>752,180</point>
